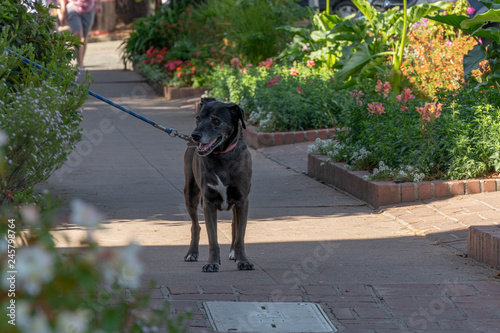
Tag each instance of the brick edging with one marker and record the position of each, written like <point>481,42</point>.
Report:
<point>256,139</point>
<point>483,244</point>
<point>383,193</point>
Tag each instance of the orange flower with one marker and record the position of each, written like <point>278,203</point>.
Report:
<point>294,71</point>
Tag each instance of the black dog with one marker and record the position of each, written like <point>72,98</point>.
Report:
<point>218,168</point>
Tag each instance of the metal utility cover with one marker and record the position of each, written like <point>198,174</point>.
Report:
<point>264,317</point>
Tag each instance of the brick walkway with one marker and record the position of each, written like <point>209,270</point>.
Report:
<point>450,307</point>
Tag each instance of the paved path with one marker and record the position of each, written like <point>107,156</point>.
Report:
<point>371,271</point>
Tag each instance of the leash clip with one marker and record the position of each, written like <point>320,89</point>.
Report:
<point>175,133</point>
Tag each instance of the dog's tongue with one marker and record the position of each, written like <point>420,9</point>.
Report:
<point>203,147</point>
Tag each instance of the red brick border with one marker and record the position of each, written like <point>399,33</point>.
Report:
<point>171,93</point>
<point>484,244</point>
<point>256,139</point>
<point>383,193</point>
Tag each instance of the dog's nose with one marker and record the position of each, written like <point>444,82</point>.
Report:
<point>196,137</point>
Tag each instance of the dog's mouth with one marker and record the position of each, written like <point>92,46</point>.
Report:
<point>207,148</point>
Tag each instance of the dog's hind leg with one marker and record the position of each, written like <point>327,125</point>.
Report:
<point>192,203</point>
<point>240,214</point>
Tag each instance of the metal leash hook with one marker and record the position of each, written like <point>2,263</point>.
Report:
<point>171,132</point>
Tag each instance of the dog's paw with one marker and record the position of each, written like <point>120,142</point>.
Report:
<point>191,257</point>
<point>232,256</point>
<point>211,268</point>
<point>245,266</point>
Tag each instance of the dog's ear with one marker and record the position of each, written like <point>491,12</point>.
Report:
<point>239,113</point>
<point>204,101</point>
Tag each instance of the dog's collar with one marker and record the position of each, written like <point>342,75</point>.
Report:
<point>231,147</point>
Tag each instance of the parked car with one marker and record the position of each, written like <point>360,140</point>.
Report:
<point>342,8</point>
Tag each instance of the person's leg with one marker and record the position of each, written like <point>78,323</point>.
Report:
<point>87,22</point>
<point>76,25</point>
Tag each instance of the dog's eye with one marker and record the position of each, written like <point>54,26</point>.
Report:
<point>216,121</point>
<point>197,120</point>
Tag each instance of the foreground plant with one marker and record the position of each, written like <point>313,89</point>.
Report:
<point>86,289</point>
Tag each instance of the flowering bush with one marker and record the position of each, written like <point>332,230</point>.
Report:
<point>38,111</point>
<point>434,59</point>
<point>86,289</point>
<point>280,97</point>
<point>206,35</point>
<point>405,138</point>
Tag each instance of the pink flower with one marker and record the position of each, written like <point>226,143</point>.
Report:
<point>271,83</point>
<point>235,62</point>
<point>310,63</point>
<point>383,89</point>
<point>448,43</point>
<point>197,53</point>
<point>376,108</point>
<point>299,90</point>
<point>267,63</point>
<point>470,11</point>
<point>357,94</point>
<point>405,96</point>
<point>431,111</point>
<point>293,71</point>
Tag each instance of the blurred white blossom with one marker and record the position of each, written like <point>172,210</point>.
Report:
<point>73,321</point>
<point>30,214</point>
<point>84,215</point>
<point>35,266</point>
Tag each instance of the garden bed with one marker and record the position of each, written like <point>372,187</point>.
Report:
<point>383,193</point>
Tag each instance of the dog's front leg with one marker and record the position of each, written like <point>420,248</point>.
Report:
<point>240,216</point>
<point>213,262</point>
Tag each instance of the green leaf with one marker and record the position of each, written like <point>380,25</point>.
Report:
<point>492,15</point>
<point>455,21</point>
<point>319,35</point>
<point>368,10</point>
<point>473,58</point>
<point>490,33</point>
<point>357,62</point>
<point>415,13</point>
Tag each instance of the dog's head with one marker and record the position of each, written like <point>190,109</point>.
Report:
<point>217,126</point>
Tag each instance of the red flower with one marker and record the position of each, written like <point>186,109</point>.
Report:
<point>299,90</point>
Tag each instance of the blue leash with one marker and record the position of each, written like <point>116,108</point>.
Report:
<point>170,131</point>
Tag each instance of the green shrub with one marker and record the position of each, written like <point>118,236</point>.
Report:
<point>282,98</point>
<point>38,111</point>
<point>455,137</point>
<point>206,35</point>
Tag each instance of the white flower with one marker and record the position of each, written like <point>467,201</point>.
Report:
<point>31,322</point>
<point>126,267</point>
<point>35,266</point>
<point>84,215</point>
<point>74,322</point>
<point>402,174</point>
<point>30,214</point>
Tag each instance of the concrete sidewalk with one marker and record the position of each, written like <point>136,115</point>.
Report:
<point>371,271</point>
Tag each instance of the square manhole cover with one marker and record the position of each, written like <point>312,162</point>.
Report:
<point>264,317</point>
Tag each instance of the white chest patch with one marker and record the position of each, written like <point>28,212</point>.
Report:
<point>219,187</point>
